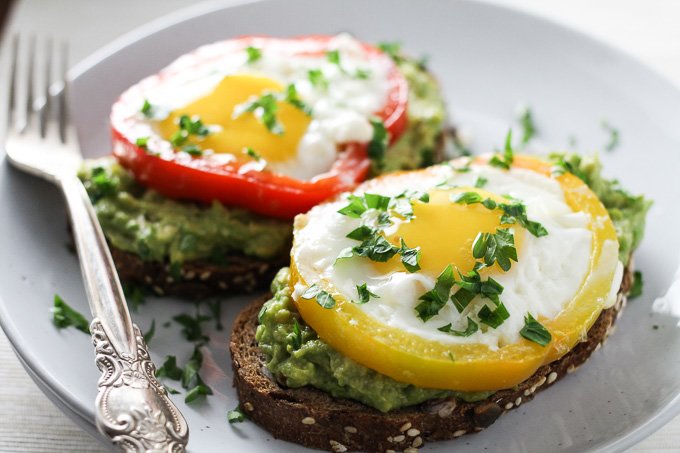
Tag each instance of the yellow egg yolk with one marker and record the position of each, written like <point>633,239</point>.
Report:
<point>235,134</point>
<point>445,230</point>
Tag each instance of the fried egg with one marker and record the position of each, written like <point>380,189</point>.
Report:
<point>550,271</point>
<point>334,100</point>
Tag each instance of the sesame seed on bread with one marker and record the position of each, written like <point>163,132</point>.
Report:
<point>315,419</point>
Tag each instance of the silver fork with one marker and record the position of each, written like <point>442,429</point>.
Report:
<point>132,408</point>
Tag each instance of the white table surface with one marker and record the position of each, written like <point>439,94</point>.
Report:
<point>28,421</point>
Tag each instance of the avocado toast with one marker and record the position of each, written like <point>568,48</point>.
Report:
<point>196,247</point>
<point>294,383</point>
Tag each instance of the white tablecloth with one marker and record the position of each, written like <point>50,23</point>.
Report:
<point>28,421</point>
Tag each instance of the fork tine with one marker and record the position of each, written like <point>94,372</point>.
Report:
<point>58,87</point>
<point>42,75</point>
<point>23,83</point>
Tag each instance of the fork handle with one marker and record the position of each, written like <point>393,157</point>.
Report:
<point>104,293</point>
<point>132,408</point>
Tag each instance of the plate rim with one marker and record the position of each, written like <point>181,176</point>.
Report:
<point>71,406</point>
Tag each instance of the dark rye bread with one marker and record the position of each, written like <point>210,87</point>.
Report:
<point>198,279</point>
<point>313,418</point>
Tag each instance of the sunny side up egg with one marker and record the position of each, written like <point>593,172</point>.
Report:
<point>288,104</point>
<point>460,276</point>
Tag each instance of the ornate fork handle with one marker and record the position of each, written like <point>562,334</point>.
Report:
<point>133,408</point>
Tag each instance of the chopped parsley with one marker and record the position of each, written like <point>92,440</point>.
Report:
<point>496,247</point>
<point>515,212</point>
<point>323,298</point>
<point>393,50</point>
<point>142,142</point>
<point>376,201</point>
<point>147,109</point>
<point>562,166</point>
<point>356,207</point>
<point>293,99</point>
<point>480,182</point>
<point>191,380</point>
<point>504,161</point>
<point>333,57</point>
<point>265,109</point>
<point>493,318</point>
<point>534,331</point>
<point>362,233</point>
<point>379,141</point>
<point>151,332</point>
<point>192,328</point>
<point>471,328</point>
<point>193,126</point>
<point>250,152</point>
<point>192,150</point>
<point>526,121</point>
<point>296,335</point>
<point>410,257</point>
<point>317,79</point>
<point>636,287</point>
<point>376,248</point>
<point>236,415</point>
<point>170,369</point>
<point>434,300</point>
<point>614,137</point>
<point>254,54</point>
<point>64,316</point>
<point>364,294</point>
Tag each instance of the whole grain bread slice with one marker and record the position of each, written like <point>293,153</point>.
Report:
<point>236,273</point>
<point>313,418</point>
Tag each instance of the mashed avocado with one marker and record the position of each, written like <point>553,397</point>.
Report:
<point>627,211</point>
<point>156,228</point>
<point>302,360</point>
<point>417,146</point>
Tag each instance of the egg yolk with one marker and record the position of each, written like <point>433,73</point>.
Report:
<point>235,134</point>
<point>445,230</point>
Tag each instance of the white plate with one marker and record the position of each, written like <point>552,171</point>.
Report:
<point>489,59</point>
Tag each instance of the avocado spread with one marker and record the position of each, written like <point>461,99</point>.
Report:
<point>298,357</point>
<point>417,146</point>
<point>626,211</point>
<point>304,359</point>
<point>156,228</point>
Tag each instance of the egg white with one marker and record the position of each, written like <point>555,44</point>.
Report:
<point>549,272</point>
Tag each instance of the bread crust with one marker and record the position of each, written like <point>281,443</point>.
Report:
<point>198,279</point>
<point>313,418</point>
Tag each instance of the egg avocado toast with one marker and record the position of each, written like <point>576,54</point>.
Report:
<point>425,304</point>
<point>213,156</point>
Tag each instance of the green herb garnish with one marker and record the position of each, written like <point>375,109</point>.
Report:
<point>636,287</point>
<point>250,152</point>
<point>393,50</point>
<point>296,336</point>
<point>254,54</point>
<point>496,247</point>
<point>236,415</point>
<point>356,207</point>
<point>170,369</point>
<point>378,144</point>
<point>323,298</point>
<point>192,326</point>
<point>364,294</point>
<point>142,142</point>
<point>534,331</point>
<point>480,182</point>
<point>376,248</point>
<point>466,198</point>
<point>151,332</point>
<point>410,257</point>
<point>493,318</point>
<point>362,233</point>
<point>376,201</point>
<point>526,120</point>
<point>317,79</point>
<point>435,299</point>
<point>193,150</point>
<point>65,316</point>
<point>614,137</point>
<point>471,328</point>
<point>264,108</point>
<point>333,57</point>
<point>147,109</point>
<point>293,99</point>
<point>191,380</point>
<point>504,161</point>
